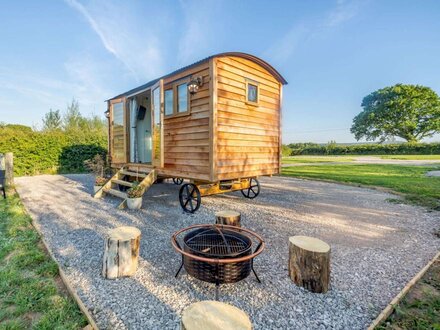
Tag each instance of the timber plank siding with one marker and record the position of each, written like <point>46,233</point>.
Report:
<point>223,135</point>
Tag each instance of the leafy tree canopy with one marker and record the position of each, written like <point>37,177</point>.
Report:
<point>411,112</point>
<point>52,120</point>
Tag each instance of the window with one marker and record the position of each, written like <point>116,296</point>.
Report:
<point>182,98</point>
<point>169,100</point>
<point>252,92</point>
<point>177,98</point>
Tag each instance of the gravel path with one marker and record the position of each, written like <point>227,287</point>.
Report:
<point>377,247</point>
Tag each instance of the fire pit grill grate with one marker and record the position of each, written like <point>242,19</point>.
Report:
<point>218,253</point>
<point>216,243</point>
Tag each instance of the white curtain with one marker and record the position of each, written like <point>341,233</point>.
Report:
<point>133,137</point>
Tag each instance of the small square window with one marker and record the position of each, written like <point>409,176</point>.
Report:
<point>169,102</point>
<point>252,93</point>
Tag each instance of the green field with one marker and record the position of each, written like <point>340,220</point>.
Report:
<point>316,159</point>
<point>410,181</point>
<point>351,158</point>
<point>31,294</point>
<point>411,157</point>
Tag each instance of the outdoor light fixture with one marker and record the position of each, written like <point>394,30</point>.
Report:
<point>194,85</point>
<point>107,114</point>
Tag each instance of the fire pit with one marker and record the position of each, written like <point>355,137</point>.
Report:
<point>217,253</point>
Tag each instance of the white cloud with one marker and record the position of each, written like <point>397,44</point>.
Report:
<point>129,37</point>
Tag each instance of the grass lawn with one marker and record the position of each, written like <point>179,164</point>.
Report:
<point>31,293</point>
<point>420,309</point>
<point>316,159</point>
<point>407,180</point>
<point>411,157</point>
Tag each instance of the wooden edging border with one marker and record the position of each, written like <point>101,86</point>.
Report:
<point>63,276</point>
<point>397,299</point>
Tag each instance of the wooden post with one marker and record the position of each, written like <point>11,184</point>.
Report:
<point>228,217</point>
<point>214,315</point>
<point>121,252</point>
<point>9,167</point>
<point>309,263</point>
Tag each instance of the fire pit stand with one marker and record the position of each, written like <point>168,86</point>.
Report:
<point>217,253</point>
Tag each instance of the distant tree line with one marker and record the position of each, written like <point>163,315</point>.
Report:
<point>332,148</point>
<point>61,145</point>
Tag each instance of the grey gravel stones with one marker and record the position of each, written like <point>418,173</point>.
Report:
<point>377,247</point>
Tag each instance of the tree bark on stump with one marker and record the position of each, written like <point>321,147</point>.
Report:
<point>121,252</point>
<point>228,217</point>
<point>309,263</point>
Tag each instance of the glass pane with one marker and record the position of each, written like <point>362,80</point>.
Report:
<point>118,132</point>
<point>182,98</point>
<point>252,93</point>
<point>156,129</point>
<point>168,102</point>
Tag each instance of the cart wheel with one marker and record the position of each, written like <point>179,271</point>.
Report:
<point>178,181</point>
<point>254,189</point>
<point>189,197</point>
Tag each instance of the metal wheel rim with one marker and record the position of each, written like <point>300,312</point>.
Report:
<point>187,198</point>
<point>178,181</point>
<point>254,188</point>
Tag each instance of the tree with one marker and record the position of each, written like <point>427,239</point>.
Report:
<point>72,119</point>
<point>52,120</point>
<point>411,112</point>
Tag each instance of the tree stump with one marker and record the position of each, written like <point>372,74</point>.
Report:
<point>214,315</point>
<point>228,217</point>
<point>121,252</point>
<point>309,263</point>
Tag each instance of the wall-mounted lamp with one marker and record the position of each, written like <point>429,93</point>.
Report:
<point>195,84</point>
<point>107,114</point>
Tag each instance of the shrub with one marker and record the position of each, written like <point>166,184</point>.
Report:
<point>373,149</point>
<point>51,151</point>
<point>135,191</point>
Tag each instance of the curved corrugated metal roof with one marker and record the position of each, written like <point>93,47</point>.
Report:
<point>249,57</point>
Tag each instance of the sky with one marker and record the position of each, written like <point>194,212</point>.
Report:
<point>332,53</point>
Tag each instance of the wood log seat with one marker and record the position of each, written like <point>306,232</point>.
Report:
<point>214,315</point>
<point>309,263</point>
<point>121,252</point>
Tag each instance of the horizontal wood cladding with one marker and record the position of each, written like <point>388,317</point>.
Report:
<point>247,134</point>
<point>186,137</point>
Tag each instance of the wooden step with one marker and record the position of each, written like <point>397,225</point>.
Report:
<point>116,193</point>
<point>138,174</point>
<point>122,182</point>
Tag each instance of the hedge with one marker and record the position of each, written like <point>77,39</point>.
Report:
<point>51,152</point>
<point>370,149</point>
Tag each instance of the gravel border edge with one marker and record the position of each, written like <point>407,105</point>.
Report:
<point>397,299</point>
<point>63,277</point>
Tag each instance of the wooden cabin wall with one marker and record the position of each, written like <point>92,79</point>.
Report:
<point>186,138</point>
<point>247,136</point>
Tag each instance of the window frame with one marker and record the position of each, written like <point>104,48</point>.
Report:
<point>257,85</point>
<point>174,87</point>
<point>164,101</point>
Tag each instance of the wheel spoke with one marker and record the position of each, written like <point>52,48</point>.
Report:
<point>191,204</point>
<point>186,203</point>
<point>252,189</point>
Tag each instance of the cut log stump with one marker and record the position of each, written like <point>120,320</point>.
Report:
<point>228,217</point>
<point>121,252</point>
<point>214,315</point>
<point>309,263</point>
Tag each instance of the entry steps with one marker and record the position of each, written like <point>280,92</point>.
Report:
<point>111,187</point>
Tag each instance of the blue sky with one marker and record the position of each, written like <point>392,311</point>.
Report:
<point>332,53</point>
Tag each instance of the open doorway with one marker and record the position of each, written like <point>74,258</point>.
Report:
<point>140,128</point>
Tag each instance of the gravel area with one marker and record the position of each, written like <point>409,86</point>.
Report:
<point>377,247</point>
